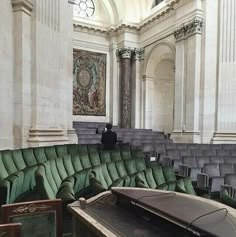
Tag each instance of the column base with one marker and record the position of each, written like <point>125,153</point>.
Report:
<point>224,138</point>
<point>72,136</point>
<point>187,136</point>
<point>46,137</point>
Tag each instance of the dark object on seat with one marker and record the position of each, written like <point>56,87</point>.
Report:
<point>109,138</point>
<point>38,218</point>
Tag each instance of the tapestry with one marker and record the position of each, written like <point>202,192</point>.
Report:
<point>89,83</point>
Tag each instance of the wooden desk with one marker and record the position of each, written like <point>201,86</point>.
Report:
<point>133,212</point>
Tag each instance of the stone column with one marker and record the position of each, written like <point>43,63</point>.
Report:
<point>136,102</point>
<point>52,72</point>
<point>187,82</point>
<point>6,75</point>
<point>226,101</point>
<point>125,55</point>
<point>22,70</point>
<point>148,88</point>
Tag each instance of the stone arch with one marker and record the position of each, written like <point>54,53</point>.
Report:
<point>159,87</point>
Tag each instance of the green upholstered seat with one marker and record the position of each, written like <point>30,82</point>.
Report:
<point>11,169</point>
<point>72,149</point>
<point>29,179</point>
<point>50,152</point>
<point>126,155</point>
<point>61,150</point>
<point>140,164</point>
<point>120,167</point>
<point>82,148</point>
<point>77,163</point>
<point>130,166</point>
<point>94,158</point>
<point>185,186</point>
<point>138,153</point>
<point>85,161</point>
<point>115,155</point>
<point>29,157</point>
<point>105,156</point>
<point>50,183</point>
<point>40,154</point>
<point>100,179</point>
<point>92,148</point>
<point>68,165</point>
<point>227,199</point>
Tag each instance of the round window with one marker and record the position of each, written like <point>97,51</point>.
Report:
<point>84,8</point>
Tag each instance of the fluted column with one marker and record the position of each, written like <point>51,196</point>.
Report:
<point>6,75</point>
<point>22,10</point>
<point>125,55</point>
<point>136,91</point>
<point>226,103</point>
<point>187,82</point>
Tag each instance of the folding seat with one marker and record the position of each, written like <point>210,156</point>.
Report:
<point>61,150</point>
<point>40,154</point>
<point>232,153</point>
<point>160,148</point>
<point>111,167</point>
<point>125,147</point>
<point>170,146</point>
<point>173,154</point>
<point>137,153</point>
<point>201,160</point>
<point>230,179</point>
<point>229,160</point>
<point>216,159</point>
<point>120,167</point>
<point>203,146</point>
<point>185,186</point>
<point>222,152</point>
<point>227,198</point>
<point>192,146</point>
<point>209,152</point>
<point>226,169</point>
<point>104,156</point>
<point>159,177</point>
<point>189,167</point>
<point>196,152</point>
<point>210,178</point>
<point>50,152</point>
<point>181,146</point>
<point>130,166</point>
<point>68,165</point>
<point>115,155</point>
<point>184,152</point>
<point>82,148</point>
<point>170,177</point>
<point>140,164</point>
<point>228,147</point>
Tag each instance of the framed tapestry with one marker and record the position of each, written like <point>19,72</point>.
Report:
<point>89,83</point>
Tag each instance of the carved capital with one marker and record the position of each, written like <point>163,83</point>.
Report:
<point>125,53</point>
<point>139,53</point>
<point>25,6</point>
<point>188,29</point>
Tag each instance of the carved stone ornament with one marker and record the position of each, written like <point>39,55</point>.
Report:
<point>31,208</point>
<point>125,53</point>
<point>188,29</point>
<point>139,53</point>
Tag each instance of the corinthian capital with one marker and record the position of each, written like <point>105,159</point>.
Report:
<point>188,29</point>
<point>125,53</point>
<point>139,53</point>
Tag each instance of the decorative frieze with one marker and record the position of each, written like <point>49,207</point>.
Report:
<point>25,6</point>
<point>188,29</point>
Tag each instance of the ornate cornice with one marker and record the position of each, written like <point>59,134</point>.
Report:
<point>164,13</point>
<point>25,6</point>
<point>188,29</point>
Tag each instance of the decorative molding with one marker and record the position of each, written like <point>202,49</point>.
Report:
<point>188,29</point>
<point>163,14</point>
<point>31,208</point>
<point>25,6</point>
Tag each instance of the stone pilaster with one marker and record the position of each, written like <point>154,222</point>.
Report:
<point>22,10</point>
<point>125,55</point>
<point>187,82</point>
<point>137,72</point>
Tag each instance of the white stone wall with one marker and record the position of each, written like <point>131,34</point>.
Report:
<point>6,75</point>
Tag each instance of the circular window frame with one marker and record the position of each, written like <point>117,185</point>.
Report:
<point>84,8</point>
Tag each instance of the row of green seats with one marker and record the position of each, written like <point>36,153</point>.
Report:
<point>17,167</point>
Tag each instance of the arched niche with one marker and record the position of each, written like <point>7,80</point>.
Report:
<point>159,88</point>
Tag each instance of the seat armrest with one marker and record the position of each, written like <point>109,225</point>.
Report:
<point>183,170</point>
<point>202,180</point>
<point>228,188</point>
